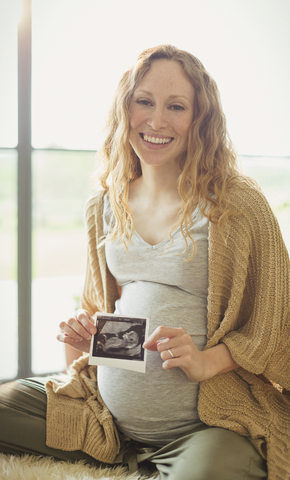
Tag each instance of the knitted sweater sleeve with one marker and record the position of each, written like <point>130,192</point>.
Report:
<point>249,300</point>
<point>77,418</point>
<point>100,290</point>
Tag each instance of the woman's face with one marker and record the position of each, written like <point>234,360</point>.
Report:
<point>161,112</point>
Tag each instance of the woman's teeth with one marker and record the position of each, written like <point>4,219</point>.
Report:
<point>156,139</point>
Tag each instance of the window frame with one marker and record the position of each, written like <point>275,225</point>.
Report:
<point>24,192</point>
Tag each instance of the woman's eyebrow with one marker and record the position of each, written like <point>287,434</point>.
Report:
<point>171,97</point>
<point>143,91</point>
<point>179,96</point>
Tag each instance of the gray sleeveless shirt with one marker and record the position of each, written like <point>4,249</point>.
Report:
<point>158,406</point>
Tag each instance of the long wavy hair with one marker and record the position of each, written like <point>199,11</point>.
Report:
<point>208,167</point>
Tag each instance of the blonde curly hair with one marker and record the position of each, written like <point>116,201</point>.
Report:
<point>208,167</point>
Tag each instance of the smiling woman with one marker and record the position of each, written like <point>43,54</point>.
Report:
<point>177,234</point>
<point>162,200</point>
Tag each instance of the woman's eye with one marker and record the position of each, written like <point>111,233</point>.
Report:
<point>143,102</point>
<point>177,107</point>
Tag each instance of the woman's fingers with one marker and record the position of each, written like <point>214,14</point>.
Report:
<point>177,341</point>
<point>85,319</point>
<point>63,337</point>
<point>80,327</point>
<point>81,345</point>
<point>75,329</point>
<point>177,349</point>
<point>161,335</point>
<point>170,353</point>
<point>71,328</point>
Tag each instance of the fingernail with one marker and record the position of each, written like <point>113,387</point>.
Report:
<point>87,336</point>
<point>92,330</point>
<point>145,344</point>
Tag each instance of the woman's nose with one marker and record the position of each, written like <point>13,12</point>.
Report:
<point>157,119</point>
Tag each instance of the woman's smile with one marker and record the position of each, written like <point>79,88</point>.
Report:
<point>156,142</point>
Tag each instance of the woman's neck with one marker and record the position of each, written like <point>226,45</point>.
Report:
<point>157,183</point>
<point>155,204</point>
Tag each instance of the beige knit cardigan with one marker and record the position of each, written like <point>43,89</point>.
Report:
<point>248,310</point>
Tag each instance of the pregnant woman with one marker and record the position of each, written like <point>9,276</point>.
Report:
<point>176,234</point>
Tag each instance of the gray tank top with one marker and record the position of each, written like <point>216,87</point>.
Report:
<point>158,406</point>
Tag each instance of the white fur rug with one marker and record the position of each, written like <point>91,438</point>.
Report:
<point>45,468</point>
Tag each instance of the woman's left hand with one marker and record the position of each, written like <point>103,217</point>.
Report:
<point>185,354</point>
<point>197,365</point>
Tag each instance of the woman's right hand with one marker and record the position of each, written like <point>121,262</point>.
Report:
<point>77,331</point>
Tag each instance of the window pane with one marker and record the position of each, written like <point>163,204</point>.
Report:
<point>9,16</point>
<point>61,185</point>
<point>8,263</point>
<point>67,107</point>
<point>273,175</point>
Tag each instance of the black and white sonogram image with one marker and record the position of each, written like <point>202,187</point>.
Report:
<point>120,337</point>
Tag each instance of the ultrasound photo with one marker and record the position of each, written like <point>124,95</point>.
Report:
<point>119,341</point>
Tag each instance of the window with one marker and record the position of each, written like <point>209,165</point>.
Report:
<point>78,50</point>
<point>60,189</point>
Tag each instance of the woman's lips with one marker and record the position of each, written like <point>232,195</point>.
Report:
<point>155,141</point>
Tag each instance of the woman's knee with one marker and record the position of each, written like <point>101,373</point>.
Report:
<point>227,456</point>
<point>22,417</point>
<point>21,395</point>
<point>215,454</point>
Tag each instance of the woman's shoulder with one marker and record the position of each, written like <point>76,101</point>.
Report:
<point>252,213</point>
<point>246,196</point>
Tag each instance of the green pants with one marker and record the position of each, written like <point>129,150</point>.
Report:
<point>207,453</point>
